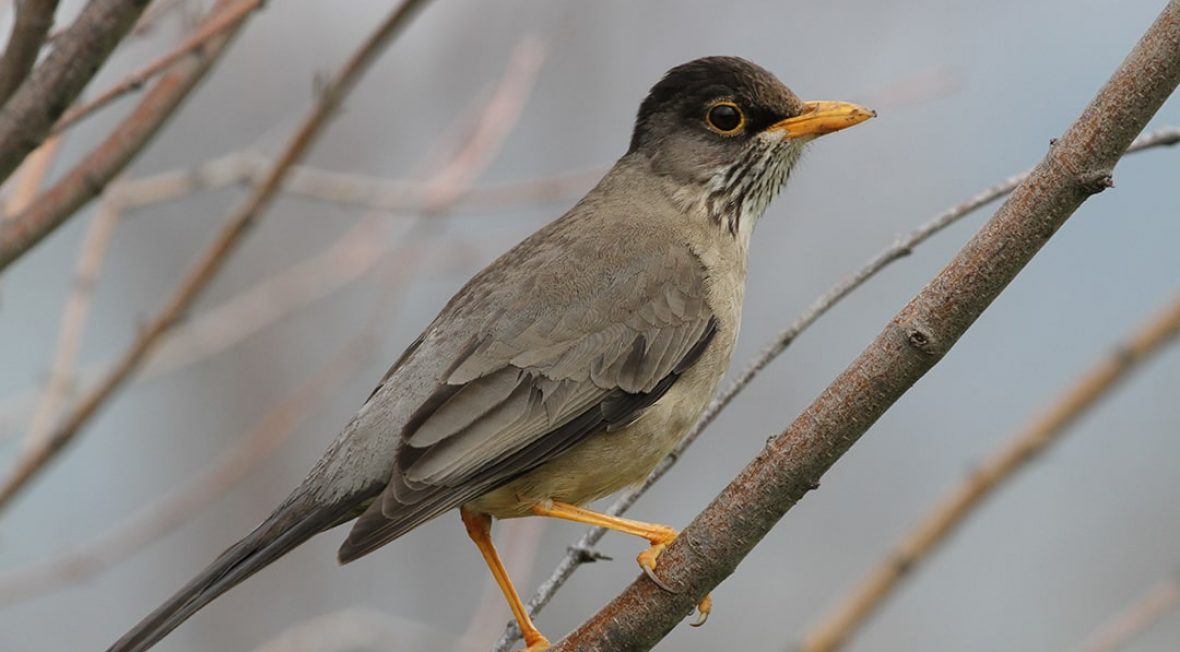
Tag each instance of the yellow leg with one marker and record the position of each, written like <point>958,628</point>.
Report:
<point>658,535</point>
<point>479,528</point>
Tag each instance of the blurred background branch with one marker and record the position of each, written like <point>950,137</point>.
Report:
<point>834,630</point>
<point>29,29</point>
<point>86,179</point>
<point>77,55</point>
<point>213,258</point>
<point>1146,610</point>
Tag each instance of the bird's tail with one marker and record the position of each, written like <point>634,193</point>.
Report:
<point>284,530</point>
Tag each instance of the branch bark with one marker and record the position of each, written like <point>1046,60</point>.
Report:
<point>1077,166</point>
<point>850,615</point>
<point>33,20</point>
<point>215,256</point>
<point>27,117</point>
<point>88,178</point>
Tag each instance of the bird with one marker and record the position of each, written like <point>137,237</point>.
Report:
<point>568,367</point>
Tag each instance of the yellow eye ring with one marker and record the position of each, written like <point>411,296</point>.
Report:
<point>725,118</point>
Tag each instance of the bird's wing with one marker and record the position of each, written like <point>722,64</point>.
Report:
<point>529,386</point>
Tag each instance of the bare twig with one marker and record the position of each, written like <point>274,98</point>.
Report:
<point>89,176</point>
<point>398,197</point>
<point>152,15</point>
<point>352,256</point>
<point>579,550</point>
<point>54,85</point>
<point>217,24</point>
<point>30,177</point>
<point>1141,614</point>
<point>73,321</point>
<point>215,255</point>
<point>177,508</point>
<point>33,20</point>
<point>866,597</point>
<point>1078,165</point>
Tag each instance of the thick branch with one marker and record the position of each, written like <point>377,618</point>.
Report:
<point>215,256</point>
<point>88,178</point>
<point>26,119</point>
<point>851,614</point>
<point>1078,165</point>
<point>33,20</point>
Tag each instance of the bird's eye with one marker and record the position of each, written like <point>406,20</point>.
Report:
<point>725,118</point>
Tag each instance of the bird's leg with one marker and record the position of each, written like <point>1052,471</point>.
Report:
<point>658,535</point>
<point>479,528</point>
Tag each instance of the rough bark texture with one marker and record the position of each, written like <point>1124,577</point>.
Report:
<point>1078,165</point>
<point>79,53</point>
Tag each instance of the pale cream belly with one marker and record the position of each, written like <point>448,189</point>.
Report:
<point>609,461</point>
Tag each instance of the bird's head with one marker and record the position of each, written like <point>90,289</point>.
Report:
<point>727,132</point>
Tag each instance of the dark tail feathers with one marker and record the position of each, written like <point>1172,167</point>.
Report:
<point>278,535</point>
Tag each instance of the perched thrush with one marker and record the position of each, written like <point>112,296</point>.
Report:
<point>571,365</point>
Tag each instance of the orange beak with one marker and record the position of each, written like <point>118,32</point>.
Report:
<point>822,117</point>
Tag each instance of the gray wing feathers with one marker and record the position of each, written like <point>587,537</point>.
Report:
<point>529,386</point>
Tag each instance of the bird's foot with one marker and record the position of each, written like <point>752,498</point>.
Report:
<point>647,561</point>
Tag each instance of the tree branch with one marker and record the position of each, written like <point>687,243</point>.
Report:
<point>1077,166</point>
<point>214,257</point>
<point>88,178</point>
<point>26,119</point>
<point>840,624</point>
<point>581,550</point>
<point>177,507</point>
<point>1141,614</point>
<point>62,371</point>
<point>33,20</point>
<point>228,18</point>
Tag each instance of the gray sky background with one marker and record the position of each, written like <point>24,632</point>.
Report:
<point>968,93</point>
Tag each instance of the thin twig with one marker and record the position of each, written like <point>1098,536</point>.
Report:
<point>375,193</point>
<point>215,256</point>
<point>580,551</point>
<point>1141,614</point>
<point>30,177</point>
<point>348,259</point>
<point>178,507</point>
<point>89,176</point>
<point>216,25</point>
<point>152,15</point>
<point>1078,165</point>
<point>56,83</point>
<point>32,23</point>
<point>851,613</point>
<point>73,323</point>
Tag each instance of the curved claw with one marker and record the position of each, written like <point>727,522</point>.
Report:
<point>703,610</point>
<point>647,561</point>
<point>651,575</point>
